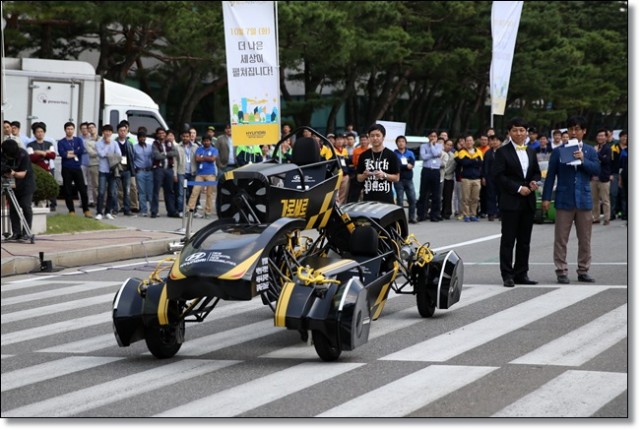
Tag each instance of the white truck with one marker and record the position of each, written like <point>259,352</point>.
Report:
<point>58,91</point>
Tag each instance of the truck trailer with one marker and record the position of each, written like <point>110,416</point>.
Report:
<point>58,91</point>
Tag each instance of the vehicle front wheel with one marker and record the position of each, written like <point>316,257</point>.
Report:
<point>325,350</point>
<point>165,341</point>
<point>426,303</point>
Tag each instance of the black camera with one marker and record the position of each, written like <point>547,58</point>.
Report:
<point>5,169</point>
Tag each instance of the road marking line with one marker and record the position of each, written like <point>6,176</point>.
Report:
<point>56,308</point>
<point>250,395</point>
<point>51,369</point>
<point>581,345</point>
<point>575,393</point>
<point>119,389</point>
<point>463,339</point>
<point>96,343</point>
<point>393,322</point>
<point>468,242</point>
<point>55,329</point>
<point>214,342</point>
<point>57,292</point>
<point>412,392</point>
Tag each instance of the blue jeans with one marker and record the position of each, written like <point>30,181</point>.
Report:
<point>163,178</point>
<point>178,190</point>
<point>144,180</point>
<point>107,188</point>
<point>125,185</point>
<point>405,186</point>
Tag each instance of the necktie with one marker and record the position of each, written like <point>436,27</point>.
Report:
<point>521,147</point>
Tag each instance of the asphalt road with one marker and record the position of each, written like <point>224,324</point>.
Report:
<point>546,350</point>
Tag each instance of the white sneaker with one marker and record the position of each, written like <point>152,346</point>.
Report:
<point>197,215</point>
<point>99,216</point>
<point>109,216</point>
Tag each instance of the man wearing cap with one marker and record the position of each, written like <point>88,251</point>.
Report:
<point>211,132</point>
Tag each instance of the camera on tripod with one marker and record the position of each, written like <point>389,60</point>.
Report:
<point>8,184</point>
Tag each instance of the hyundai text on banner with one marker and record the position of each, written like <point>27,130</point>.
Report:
<point>250,34</point>
<point>505,19</point>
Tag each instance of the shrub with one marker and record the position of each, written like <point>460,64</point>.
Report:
<point>46,185</point>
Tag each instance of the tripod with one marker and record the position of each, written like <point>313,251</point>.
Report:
<point>24,226</point>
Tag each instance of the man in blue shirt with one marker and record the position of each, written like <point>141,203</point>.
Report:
<point>430,153</point>
<point>206,172</point>
<point>71,148</point>
<point>405,184</point>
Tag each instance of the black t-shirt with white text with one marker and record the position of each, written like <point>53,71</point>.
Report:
<point>379,190</point>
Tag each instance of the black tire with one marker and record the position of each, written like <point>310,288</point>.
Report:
<point>426,306</point>
<point>164,341</point>
<point>426,303</point>
<point>324,349</point>
<point>281,262</point>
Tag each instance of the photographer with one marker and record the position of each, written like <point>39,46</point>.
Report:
<point>17,165</point>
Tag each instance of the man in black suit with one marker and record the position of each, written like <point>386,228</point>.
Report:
<point>516,172</point>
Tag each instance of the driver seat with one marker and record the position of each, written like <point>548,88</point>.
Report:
<point>305,151</point>
<point>363,247</point>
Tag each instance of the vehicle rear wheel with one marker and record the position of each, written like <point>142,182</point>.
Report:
<point>325,350</point>
<point>281,265</point>
<point>164,341</point>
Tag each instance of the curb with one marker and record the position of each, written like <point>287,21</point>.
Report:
<point>86,257</point>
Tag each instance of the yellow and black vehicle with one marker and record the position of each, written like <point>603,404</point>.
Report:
<point>325,271</point>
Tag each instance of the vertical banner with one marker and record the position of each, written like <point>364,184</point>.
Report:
<point>250,33</point>
<point>505,19</point>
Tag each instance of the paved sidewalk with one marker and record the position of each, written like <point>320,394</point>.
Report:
<point>137,237</point>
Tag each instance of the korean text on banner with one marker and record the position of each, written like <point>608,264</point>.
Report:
<point>505,20</point>
<point>252,71</point>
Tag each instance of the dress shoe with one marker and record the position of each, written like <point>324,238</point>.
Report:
<point>508,283</point>
<point>413,221</point>
<point>491,218</point>
<point>524,280</point>
<point>15,237</point>
<point>606,222</point>
<point>585,278</point>
<point>563,279</point>
<point>596,221</point>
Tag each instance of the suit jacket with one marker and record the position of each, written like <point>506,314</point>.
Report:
<point>507,172</point>
<point>222,145</point>
<point>573,190</point>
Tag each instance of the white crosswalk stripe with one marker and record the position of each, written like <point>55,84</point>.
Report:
<point>242,398</point>
<point>56,308</point>
<point>456,342</point>
<point>75,402</point>
<point>581,345</point>
<point>51,369</point>
<point>57,292</point>
<point>575,393</point>
<point>394,322</point>
<point>409,393</point>
<point>56,328</point>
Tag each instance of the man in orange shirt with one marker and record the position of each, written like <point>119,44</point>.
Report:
<point>355,187</point>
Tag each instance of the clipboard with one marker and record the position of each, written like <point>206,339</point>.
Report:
<point>566,153</point>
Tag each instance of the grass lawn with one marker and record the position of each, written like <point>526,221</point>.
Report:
<point>60,223</point>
